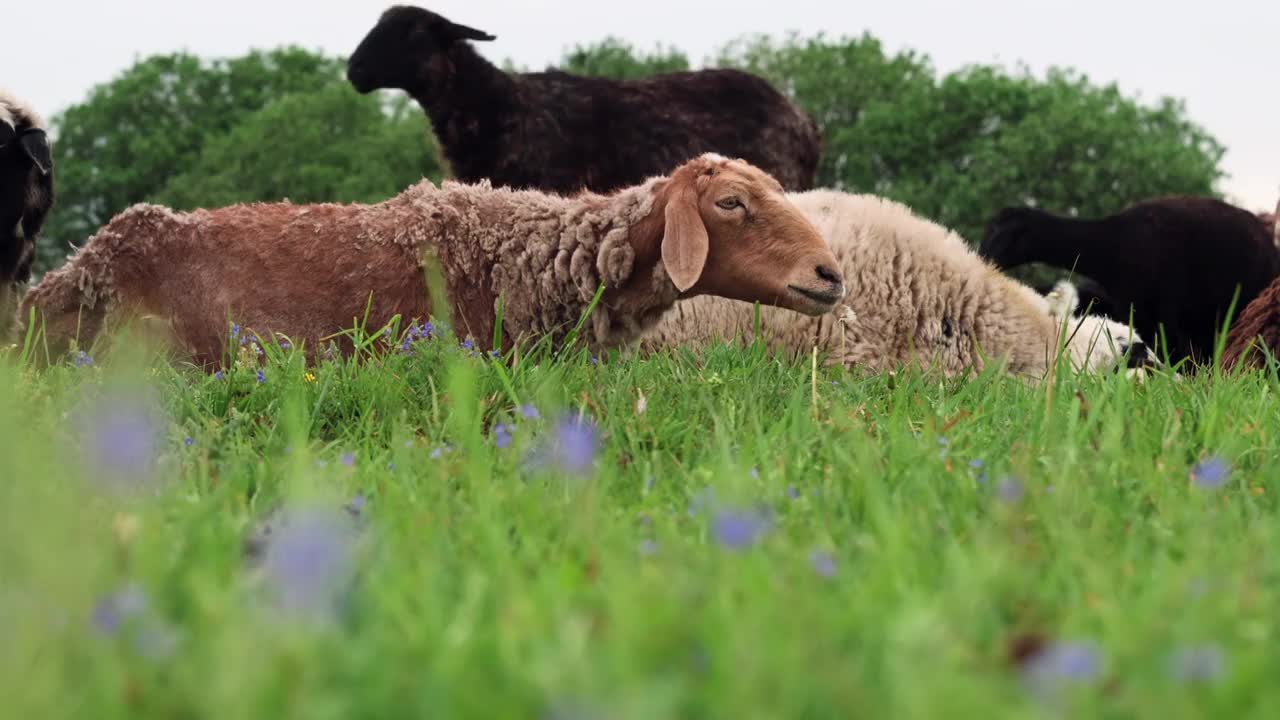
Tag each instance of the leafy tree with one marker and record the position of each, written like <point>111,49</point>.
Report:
<point>959,147</point>
<point>321,146</point>
<point>132,134</point>
<point>612,57</point>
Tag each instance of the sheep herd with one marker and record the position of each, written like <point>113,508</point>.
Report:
<point>663,209</point>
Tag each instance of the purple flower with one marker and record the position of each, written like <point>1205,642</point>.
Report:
<point>285,344</point>
<point>1010,490</point>
<point>1074,661</point>
<point>261,377</point>
<point>595,360</point>
<point>501,436</point>
<point>189,440</point>
<point>219,375</point>
<point>119,607</point>
<point>529,412</point>
<point>648,547</point>
<point>348,459</point>
<point>468,345</point>
<point>823,563</point>
<point>495,354</point>
<point>1202,663</point>
<point>82,359</point>
<point>435,454</point>
<point>309,561</point>
<point>235,331</point>
<point>1211,473</point>
<point>356,506</point>
<point>121,433</point>
<point>739,529</point>
<point>572,448</point>
<point>976,464</point>
<point>792,492</point>
<point>755,474</point>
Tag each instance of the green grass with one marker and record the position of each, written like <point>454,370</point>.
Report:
<point>484,588</point>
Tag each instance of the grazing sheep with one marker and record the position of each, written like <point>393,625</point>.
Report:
<point>307,271</point>
<point>26,195</point>
<point>1176,261</point>
<point>1258,327</point>
<point>916,294</point>
<point>558,132</point>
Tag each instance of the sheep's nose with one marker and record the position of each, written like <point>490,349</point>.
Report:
<point>828,274</point>
<point>1138,356</point>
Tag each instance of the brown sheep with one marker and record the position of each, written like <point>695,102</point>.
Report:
<point>1258,326</point>
<point>714,226</point>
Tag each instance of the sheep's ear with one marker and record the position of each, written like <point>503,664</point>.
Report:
<point>1063,300</point>
<point>6,133</point>
<point>684,240</point>
<point>36,145</point>
<point>453,32</point>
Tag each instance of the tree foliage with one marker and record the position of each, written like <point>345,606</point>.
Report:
<point>956,147</point>
<point>321,146</point>
<point>612,57</point>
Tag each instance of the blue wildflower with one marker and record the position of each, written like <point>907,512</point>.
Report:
<point>121,435</point>
<point>793,492</point>
<point>739,529</point>
<point>648,547</point>
<point>572,448</point>
<point>357,504</point>
<point>112,611</point>
<point>1010,490</point>
<point>82,359</point>
<point>261,377</point>
<point>703,500</point>
<point>1211,473</point>
<point>189,440</point>
<point>1200,663</point>
<point>530,412</point>
<point>755,474</point>
<point>235,331</point>
<point>1074,661</point>
<point>219,375</point>
<point>501,436</point>
<point>309,560</point>
<point>823,563</point>
<point>468,345</point>
<point>348,459</point>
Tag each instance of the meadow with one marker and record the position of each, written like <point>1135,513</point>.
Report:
<point>424,531</point>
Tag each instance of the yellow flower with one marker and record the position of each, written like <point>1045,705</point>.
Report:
<point>309,377</point>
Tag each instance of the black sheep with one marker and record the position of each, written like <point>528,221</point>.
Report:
<point>1176,261</point>
<point>558,132</point>
<point>26,187</point>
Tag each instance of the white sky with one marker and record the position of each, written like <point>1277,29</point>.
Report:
<point>1222,57</point>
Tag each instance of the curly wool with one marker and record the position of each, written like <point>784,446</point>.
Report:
<point>310,270</point>
<point>917,294</point>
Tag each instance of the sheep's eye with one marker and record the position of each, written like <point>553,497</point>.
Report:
<point>729,203</point>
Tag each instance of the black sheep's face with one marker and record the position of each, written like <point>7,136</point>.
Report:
<point>406,50</point>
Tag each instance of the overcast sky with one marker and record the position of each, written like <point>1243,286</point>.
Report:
<point>1222,57</point>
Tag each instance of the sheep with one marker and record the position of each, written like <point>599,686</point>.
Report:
<point>306,271</point>
<point>26,196</point>
<point>1176,261</point>
<point>1258,327</point>
<point>559,132</point>
<point>917,294</point>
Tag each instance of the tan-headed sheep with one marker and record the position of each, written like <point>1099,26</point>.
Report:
<point>916,294</point>
<point>715,226</point>
<point>26,195</point>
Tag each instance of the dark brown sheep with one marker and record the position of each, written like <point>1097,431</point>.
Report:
<point>1176,261</point>
<point>558,132</point>
<point>1258,327</point>
<point>26,195</point>
<point>715,226</point>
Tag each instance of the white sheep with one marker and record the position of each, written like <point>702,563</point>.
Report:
<point>307,271</point>
<point>26,195</point>
<point>916,294</point>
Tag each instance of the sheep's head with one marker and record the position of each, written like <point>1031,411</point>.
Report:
<point>26,186</point>
<point>406,49</point>
<point>731,231</point>
<point>1096,343</point>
